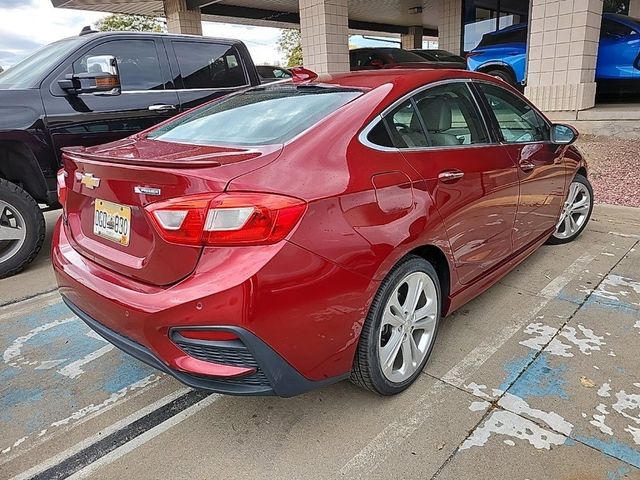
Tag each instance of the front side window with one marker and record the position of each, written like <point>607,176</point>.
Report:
<point>450,116</point>
<point>261,116</point>
<point>138,63</point>
<point>208,65</point>
<point>611,29</point>
<point>517,120</point>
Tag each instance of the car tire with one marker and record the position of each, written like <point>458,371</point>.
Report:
<point>391,320</point>
<point>576,212</point>
<point>22,221</point>
<point>504,75</point>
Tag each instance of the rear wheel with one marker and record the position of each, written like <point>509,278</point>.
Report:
<point>576,212</point>
<point>22,228</point>
<point>503,75</point>
<point>400,330</point>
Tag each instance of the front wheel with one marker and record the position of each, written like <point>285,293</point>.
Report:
<point>399,332</point>
<point>504,75</point>
<point>22,228</point>
<point>576,212</point>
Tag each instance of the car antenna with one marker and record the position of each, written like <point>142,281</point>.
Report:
<point>87,30</point>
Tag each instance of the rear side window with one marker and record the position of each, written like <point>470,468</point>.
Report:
<point>260,116</point>
<point>517,120</point>
<point>450,116</point>
<point>611,29</point>
<point>208,65</point>
<point>518,35</point>
<point>138,63</point>
<point>406,127</point>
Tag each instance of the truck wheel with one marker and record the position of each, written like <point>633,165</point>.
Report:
<point>22,228</point>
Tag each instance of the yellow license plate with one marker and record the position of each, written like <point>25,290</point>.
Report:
<point>112,221</point>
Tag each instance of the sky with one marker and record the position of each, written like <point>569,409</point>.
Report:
<point>27,25</point>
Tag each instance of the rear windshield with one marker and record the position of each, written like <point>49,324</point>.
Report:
<point>259,116</point>
<point>509,35</point>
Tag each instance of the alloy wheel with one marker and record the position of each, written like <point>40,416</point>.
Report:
<point>575,211</point>
<point>408,326</point>
<point>12,231</point>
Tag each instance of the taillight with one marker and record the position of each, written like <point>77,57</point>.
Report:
<point>61,186</point>
<point>237,218</point>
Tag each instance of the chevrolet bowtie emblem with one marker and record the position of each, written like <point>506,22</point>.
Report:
<point>88,180</point>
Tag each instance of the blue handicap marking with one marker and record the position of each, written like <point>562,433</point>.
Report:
<point>55,369</point>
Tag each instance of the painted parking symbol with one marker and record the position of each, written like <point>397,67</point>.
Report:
<point>14,356</point>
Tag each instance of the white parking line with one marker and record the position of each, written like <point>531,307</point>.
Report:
<point>100,435</point>
<point>377,450</point>
<point>145,437</point>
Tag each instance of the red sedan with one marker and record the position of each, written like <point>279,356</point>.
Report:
<point>301,233</point>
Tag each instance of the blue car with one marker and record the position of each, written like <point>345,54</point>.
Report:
<point>504,53</point>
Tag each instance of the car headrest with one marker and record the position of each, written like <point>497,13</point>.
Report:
<point>436,113</point>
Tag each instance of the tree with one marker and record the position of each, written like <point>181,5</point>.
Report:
<point>135,23</point>
<point>1,69</point>
<point>289,44</point>
<point>616,6</point>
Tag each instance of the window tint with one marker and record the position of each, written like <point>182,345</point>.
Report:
<point>406,127</point>
<point>364,58</point>
<point>207,65</point>
<point>515,35</point>
<point>450,116</point>
<point>517,120</point>
<point>379,135</point>
<point>256,117</point>
<point>615,30</point>
<point>138,63</point>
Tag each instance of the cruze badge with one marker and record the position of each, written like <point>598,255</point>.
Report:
<point>88,180</point>
<point>146,190</point>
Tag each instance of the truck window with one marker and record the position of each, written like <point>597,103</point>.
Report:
<point>208,65</point>
<point>138,63</point>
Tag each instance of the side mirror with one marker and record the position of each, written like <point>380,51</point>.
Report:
<point>101,78</point>
<point>563,134</point>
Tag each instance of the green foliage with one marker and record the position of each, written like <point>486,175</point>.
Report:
<point>289,44</point>
<point>133,23</point>
<point>616,6</point>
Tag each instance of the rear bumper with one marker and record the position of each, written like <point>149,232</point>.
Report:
<point>296,314</point>
<point>274,376</point>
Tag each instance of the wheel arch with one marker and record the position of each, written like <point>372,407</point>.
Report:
<point>436,257</point>
<point>487,67</point>
<point>19,165</point>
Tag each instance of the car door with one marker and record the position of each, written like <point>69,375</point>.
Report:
<point>472,179</point>
<point>617,52</point>
<point>525,134</point>
<point>205,71</point>
<point>147,96</point>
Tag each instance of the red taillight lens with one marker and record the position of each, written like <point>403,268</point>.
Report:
<point>238,218</point>
<point>61,186</point>
<point>210,335</point>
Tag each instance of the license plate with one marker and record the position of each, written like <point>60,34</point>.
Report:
<point>112,221</point>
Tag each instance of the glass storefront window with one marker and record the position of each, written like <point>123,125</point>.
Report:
<point>484,16</point>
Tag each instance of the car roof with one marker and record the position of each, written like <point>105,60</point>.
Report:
<point>624,19</point>
<point>403,79</point>
<point>93,35</point>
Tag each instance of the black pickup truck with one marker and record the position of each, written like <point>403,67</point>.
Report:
<point>93,89</point>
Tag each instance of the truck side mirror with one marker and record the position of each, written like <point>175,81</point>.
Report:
<point>101,78</point>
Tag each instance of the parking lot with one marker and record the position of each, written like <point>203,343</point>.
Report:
<point>537,378</point>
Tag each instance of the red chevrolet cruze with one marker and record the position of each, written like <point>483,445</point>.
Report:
<point>297,234</point>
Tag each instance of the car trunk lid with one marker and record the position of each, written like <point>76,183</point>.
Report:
<point>109,187</point>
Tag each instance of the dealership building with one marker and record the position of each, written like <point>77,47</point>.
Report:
<point>562,47</point>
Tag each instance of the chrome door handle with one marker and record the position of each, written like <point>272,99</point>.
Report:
<point>526,166</point>
<point>450,175</point>
<point>160,108</point>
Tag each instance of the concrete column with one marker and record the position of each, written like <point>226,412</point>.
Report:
<point>563,48</point>
<point>412,39</point>
<point>634,8</point>
<point>324,27</point>
<point>449,25</point>
<point>181,19</point>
